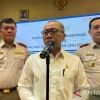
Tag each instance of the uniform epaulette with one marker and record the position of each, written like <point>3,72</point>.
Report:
<point>22,44</point>
<point>84,45</point>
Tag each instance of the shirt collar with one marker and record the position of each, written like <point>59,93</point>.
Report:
<point>95,45</point>
<point>3,43</point>
<point>60,54</point>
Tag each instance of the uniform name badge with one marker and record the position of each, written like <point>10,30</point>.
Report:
<point>18,52</point>
<point>91,64</point>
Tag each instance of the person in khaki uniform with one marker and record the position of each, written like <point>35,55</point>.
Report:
<point>12,58</point>
<point>90,57</point>
<point>66,70</point>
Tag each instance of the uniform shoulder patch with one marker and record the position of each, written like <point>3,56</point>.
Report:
<point>84,45</point>
<point>22,44</point>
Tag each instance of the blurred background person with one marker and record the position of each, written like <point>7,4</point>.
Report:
<point>12,59</point>
<point>90,57</point>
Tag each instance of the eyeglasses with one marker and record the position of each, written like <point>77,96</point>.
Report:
<point>12,28</point>
<point>52,31</point>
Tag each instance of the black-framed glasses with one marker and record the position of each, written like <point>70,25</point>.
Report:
<point>52,31</point>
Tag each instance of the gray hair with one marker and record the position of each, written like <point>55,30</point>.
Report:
<point>61,25</point>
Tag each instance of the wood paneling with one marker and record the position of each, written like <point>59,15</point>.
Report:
<point>42,9</point>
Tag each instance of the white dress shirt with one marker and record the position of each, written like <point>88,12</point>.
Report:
<point>66,72</point>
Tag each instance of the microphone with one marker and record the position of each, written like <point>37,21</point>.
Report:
<point>46,50</point>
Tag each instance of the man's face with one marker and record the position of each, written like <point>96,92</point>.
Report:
<point>95,31</point>
<point>54,33</point>
<point>8,32</point>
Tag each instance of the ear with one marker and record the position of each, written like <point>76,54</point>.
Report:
<point>89,31</point>
<point>64,36</point>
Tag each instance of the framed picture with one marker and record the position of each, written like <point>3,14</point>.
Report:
<point>24,15</point>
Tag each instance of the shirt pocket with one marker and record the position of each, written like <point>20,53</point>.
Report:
<point>19,60</point>
<point>88,59</point>
<point>66,84</point>
<point>64,79</point>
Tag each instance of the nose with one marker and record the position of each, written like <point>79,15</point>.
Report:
<point>9,29</point>
<point>49,34</point>
<point>99,29</point>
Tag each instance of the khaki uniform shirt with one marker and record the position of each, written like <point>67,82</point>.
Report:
<point>66,71</point>
<point>12,60</point>
<point>90,57</point>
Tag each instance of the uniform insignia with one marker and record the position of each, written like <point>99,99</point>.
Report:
<point>18,49</point>
<point>22,44</point>
<point>18,52</point>
<point>91,63</point>
<point>84,45</point>
<point>66,66</point>
<point>1,52</point>
<point>89,53</point>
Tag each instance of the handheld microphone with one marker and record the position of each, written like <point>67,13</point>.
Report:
<point>46,50</point>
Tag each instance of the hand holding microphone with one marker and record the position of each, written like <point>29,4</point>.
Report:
<point>46,50</point>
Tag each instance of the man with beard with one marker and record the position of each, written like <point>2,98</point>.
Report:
<point>12,59</point>
<point>90,57</point>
